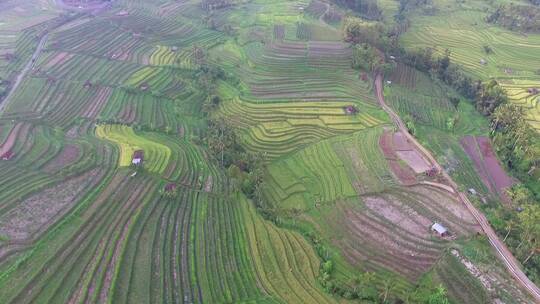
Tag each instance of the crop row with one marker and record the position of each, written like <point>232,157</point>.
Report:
<point>314,174</point>
<point>156,155</point>
<point>279,128</point>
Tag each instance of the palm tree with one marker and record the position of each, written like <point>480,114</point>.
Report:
<point>388,286</point>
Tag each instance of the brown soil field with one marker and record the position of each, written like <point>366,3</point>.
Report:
<point>8,144</point>
<point>37,212</point>
<point>487,165</point>
<point>69,154</point>
<point>404,173</point>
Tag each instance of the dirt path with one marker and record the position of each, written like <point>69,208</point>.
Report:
<point>321,18</point>
<point>29,65</point>
<point>505,255</point>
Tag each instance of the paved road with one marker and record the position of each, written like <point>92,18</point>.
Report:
<point>29,65</point>
<point>504,254</point>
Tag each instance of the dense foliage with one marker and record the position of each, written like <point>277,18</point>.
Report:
<point>517,17</point>
<point>366,8</point>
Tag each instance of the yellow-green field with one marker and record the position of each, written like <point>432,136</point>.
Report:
<point>156,155</point>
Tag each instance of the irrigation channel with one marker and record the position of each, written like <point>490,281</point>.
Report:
<point>503,252</point>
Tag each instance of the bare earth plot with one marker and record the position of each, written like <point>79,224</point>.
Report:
<point>486,163</point>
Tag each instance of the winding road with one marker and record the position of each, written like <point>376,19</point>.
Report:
<point>504,254</point>
<point>29,65</point>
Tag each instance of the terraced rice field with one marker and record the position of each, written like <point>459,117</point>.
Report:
<point>462,29</point>
<point>282,127</point>
<point>79,224</point>
<point>156,155</point>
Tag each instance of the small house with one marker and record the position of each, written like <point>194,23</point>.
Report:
<point>7,155</point>
<point>483,61</point>
<point>472,191</point>
<point>122,13</point>
<point>144,86</point>
<point>440,230</point>
<point>170,187</point>
<point>138,157</point>
<point>350,110</point>
<point>431,172</point>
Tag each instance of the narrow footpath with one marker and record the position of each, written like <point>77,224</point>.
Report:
<point>29,65</point>
<point>504,253</point>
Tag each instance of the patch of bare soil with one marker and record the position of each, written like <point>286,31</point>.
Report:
<point>399,214</point>
<point>208,184</point>
<point>414,160</point>
<point>406,152</point>
<point>388,234</point>
<point>69,154</point>
<point>445,208</point>
<point>8,144</point>
<point>403,173</point>
<point>40,210</point>
<point>487,165</point>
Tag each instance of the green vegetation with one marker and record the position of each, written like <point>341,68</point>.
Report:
<point>156,155</point>
<point>270,172</point>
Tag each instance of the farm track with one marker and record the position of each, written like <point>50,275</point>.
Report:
<point>504,253</point>
<point>29,65</point>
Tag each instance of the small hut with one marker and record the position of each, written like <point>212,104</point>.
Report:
<point>431,172</point>
<point>350,110</point>
<point>138,157</point>
<point>170,187</point>
<point>122,13</point>
<point>483,61</point>
<point>144,86</point>
<point>440,230</point>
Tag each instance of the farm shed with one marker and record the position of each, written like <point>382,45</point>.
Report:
<point>350,110</point>
<point>170,187</point>
<point>440,229</point>
<point>7,155</point>
<point>138,157</point>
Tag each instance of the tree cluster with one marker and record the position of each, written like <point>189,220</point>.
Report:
<point>516,17</point>
<point>365,8</point>
<point>489,96</point>
<point>357,31</point>
<point>215,4</point>
<point>517,142</point>
<point>440,67</point>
